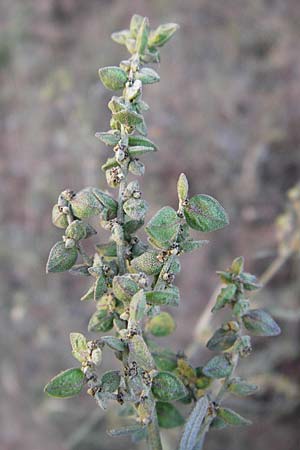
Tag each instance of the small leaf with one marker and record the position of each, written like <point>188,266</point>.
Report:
<point>161,325</point>
<point>124,287</point>
<point>260,323</point>
<point>165,360</point>
<point>167,387</point>
<point>125,431</point>
<point>76,230</point>
<point>107,201</point>
<point>113,78</point>
<point>114,343</point>
<point>140,353</point>
<point>142,36</point>
<point>136,209</point>
<point>226,295</point>
<point>162,34</point>
<point>241,387</point>
<point>80,349</point>
<point>218,423</point>
<point>237,265</point>
<point>80,269</point>
<point>110,381</point>
<point>137,309</point>
<point>222,340</point>
<point>128,118</point>
<point>147,263</point>
<point>100,287</point>
<point>120,36</point>
<point>59,219</point>
<point>169,296</point>
<point>108,249</point>
<point>66,384</point>
<point>189,245</point>
<point>136,167</point>
<point>136,140</point>
<point>249,281</point>
<point>139,150</point>
<point>168,416</point>
<point>147,76</point>
<point>61,258</point>
<point>111,137</point>
<point>231,417</point>
<point>218,367</point>
<point>182,188</point>
<point>164,226</point>
<point>204,213</point>
<point>101,321</point>
<point>192,427</point>
<point>84,204</point>
<point>135,24</point>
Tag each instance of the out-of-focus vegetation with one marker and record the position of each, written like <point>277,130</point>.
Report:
<point>235,71</point>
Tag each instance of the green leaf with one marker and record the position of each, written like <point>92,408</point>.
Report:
<point>76,230</point>
<point>226,295</point>
<point>169,296</point>
<point>231,417</point>
<point>222,340</point>
<point>182,188</point>
<point>61,258</point>
<point>189,245</point>
<point>125,431</point>
<point>140,353</point>
<point>204,213</point>
<point>110,381</point>
<point>113,78</point>
<point>120,37</point>
<point>147,76</point>
<point>128,118</point>
<point>241,387</point>
<point>249,281</point>
<point>192,427</point>
<point>84,204</point>
<point>110,137</point>
<point>168,416</point>
<point>108,249</point>
<point>101,321</point>
<point>80,269</point>
<point>165,359</point>
<point>218,367</point>
<point>139,150</point>
<point>59,219</point>
<point>136,209</point>
<point>260,323</point>
<point>114,343</point>
<point>164,226</point>
<point>131,226</point>
<point>107,201</point>
<point>124,287</point>
<point>147,263</point>
<point>100,287</point>
<point>161,325</point>
<point>135,24</point>
<point>142,36</point>
<point>136,167</point>
<point>237,265</point>
<point>137,309</point>
<point>136,140</point>
<point>167,387</point>
<point>162,34</point>
<point>218,423</point>
<point>66,384</point>
<point>80,349</point>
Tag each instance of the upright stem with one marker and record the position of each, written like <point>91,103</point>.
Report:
<point>121,242</point>
<point>153,435</point>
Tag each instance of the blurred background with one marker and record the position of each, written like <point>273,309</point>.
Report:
<point>226,112</point>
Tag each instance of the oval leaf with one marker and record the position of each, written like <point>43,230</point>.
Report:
<point>168,416</point>
<point>204,213</point>
<point>66,384</point>
<point>260,323</point>
<point>113,78</point>
<point>61,258</point>
<point>167,387</point>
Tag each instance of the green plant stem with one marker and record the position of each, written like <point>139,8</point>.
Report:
<point>265,278</point>
<point>121,242</point>
<point>153,435</point>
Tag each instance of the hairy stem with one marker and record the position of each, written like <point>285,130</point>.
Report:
<point>121,243</point>
<point>153,438</point>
